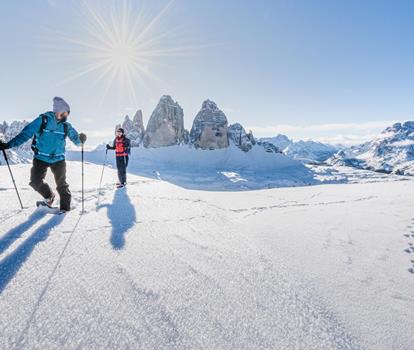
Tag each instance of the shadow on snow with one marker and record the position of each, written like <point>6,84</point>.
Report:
<point>121,214</point>
<point>16,232</point>
<point>216,175</point>
<point>10,265</point>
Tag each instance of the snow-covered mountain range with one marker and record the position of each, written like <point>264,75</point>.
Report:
<point>306,151</point>
<point>22,154</point>
<point>391,152</point>
<point>210,129</point>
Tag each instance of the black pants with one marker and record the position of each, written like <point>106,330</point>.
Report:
<point>38,174</point>
<point>121,164</point>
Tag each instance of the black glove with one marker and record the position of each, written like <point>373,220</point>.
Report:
<point>108,146</point>
<point>4,145</point>
<point>82,137</point>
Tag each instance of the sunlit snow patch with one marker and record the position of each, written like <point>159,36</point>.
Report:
<point>232,176</point>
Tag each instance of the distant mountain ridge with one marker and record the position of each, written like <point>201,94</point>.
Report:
<point>391,152</point>
<point>305,151</point>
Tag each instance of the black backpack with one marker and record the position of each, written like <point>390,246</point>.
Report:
<point>42,128</point>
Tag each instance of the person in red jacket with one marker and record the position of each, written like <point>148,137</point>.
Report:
<point>122,147</point>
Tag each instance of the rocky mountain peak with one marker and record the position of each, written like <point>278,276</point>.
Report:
<point>166,124</point>
<point>134,128</point>
<point>209,130</point>
<point>237,134</point>
<point>210,105</point>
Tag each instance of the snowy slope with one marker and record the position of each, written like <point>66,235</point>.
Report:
<point>157,266</point>
<point>391,151</point>
<point>220,169</point>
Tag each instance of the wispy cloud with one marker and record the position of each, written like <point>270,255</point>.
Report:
<point>285,128</point>
<point>334,133</point>
<point>346,140</point>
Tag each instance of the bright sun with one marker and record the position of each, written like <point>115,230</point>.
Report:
<point>120,44</point>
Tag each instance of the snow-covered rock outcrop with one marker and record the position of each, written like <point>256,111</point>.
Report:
<point>134,129</point>
<point>240,138</point>
<point>391,152</point>
<point>209,130</point>
<point>268,147</point>
<point>341,158</point>
<point>166,124</point>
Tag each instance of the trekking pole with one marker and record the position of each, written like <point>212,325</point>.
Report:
<point>83,190</point>
<point>11,174</point>
<point>100,181</point>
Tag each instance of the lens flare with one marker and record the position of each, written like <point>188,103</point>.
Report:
<point>119,44</point>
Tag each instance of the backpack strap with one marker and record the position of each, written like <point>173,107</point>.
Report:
<point>43,125</point>
<point>41,129</point>
<point>66,129</point>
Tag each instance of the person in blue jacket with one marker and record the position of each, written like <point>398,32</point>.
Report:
<point>48,132</point>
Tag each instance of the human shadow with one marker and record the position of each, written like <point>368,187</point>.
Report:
<point>13,262</point>
<point>121,214</point>
<point>19,230</point>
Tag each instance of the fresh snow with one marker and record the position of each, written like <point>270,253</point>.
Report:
<point>209,169</point>
<point>161,266</point>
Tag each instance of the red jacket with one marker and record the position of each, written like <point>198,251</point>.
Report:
<point>122,146</point>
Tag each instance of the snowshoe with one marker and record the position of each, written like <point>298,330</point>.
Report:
<point>47,201</point>
<point>41,205</point>
<point>61,212</point>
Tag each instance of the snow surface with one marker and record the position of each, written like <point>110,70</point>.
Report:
<point>159,266</point>
<point>220,169</point>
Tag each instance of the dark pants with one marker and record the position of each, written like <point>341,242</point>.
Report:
<point>121,164</point>
<point>38,174</point>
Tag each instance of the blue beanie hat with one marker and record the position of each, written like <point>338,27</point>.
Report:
<point>60,105</point>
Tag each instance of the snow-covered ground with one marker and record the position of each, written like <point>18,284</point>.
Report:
<point>161,266</point>
<point>220,170</point>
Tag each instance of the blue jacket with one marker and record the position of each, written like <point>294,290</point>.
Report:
<point>51,143</point>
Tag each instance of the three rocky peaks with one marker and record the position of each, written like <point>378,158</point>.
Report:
<point>210,129</point>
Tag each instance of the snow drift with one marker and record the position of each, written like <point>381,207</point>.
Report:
<point>220,169</point>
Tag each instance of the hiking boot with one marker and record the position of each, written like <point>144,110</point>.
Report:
<point>49,201</point>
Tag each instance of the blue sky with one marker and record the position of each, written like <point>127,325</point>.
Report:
<point>337,71</point>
